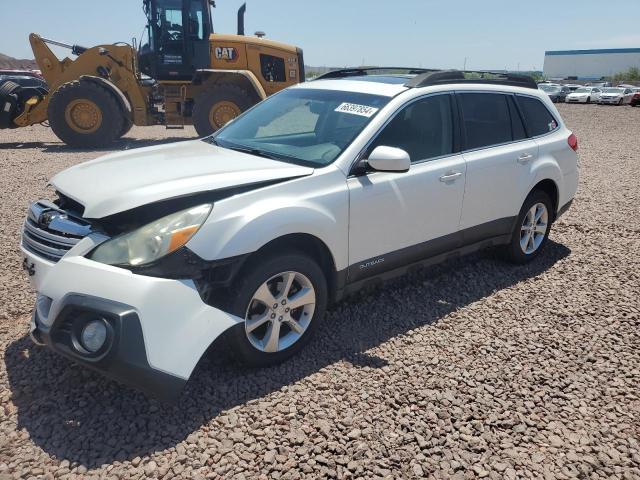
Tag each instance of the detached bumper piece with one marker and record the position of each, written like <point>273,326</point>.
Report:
<point>107,337</point>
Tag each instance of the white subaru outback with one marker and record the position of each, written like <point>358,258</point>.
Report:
<point>148,256</point>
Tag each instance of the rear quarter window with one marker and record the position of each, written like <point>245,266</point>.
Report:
<point>537,117</point>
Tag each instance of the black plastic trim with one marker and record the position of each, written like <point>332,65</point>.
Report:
<point>124,357</point>
<point>491,233</point>
<point>373,280</point>
<point>302,71</point>
<point>562,210</point>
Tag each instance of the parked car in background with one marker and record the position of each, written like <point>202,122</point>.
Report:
<point>616,96</point>
<point>557,93</point>
<point>635,99</point>
<point>573,86</point>
<point>23,80</point>
<point>25,73</point>
<point>598,84</point>
<point>584,95</point>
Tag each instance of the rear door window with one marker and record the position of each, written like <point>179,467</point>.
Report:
<point>486,119</point>
<point>537,117</point>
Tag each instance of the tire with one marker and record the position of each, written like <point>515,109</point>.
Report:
<point>85,114</point>
<point>127,124</point>
<point>621,102</point>
<point>588,100</point>
<point>229,102</point>
<point>514,251</point>
<point>8,96</point>
<point>249,347</point>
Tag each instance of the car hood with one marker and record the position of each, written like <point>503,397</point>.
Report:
<point>121,181</point>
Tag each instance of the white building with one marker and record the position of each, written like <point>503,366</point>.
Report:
<point>590,64</point>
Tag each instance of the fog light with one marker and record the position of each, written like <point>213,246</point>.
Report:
<point>94,335</point>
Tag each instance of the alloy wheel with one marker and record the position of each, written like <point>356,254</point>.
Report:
<point>534,228</point>
<point>280,312</point>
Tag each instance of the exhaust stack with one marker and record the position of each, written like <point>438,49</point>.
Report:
<point>241,12</point>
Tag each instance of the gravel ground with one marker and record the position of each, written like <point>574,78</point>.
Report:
<point>471,369</point>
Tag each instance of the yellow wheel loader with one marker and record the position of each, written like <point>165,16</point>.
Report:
<point>183,74</point>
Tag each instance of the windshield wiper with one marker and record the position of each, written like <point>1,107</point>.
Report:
<point>252,151</point>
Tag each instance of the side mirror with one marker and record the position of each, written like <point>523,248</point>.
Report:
<point>389,159</point>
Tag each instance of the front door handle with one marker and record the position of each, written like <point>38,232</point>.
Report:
<point>524,158</point>
<point>450,176</point>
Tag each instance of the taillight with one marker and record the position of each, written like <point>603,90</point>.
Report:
<point>573,142</point>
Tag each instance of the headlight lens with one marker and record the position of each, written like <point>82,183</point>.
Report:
<point>153,241</point>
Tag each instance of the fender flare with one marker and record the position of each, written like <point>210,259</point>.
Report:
<point>122,99</point>
<point>202,75</point>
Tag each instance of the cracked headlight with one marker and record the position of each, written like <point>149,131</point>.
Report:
<point>154,240</point>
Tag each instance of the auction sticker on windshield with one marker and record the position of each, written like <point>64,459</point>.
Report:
<point>355,109</point>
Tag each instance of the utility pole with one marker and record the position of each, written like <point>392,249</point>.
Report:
<point>464,68</point>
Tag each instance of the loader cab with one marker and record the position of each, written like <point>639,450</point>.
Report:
<point>178,38</point>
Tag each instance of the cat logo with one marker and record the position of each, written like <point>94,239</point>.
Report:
<point>229,54</point>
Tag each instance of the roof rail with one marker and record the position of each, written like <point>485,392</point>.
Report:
<point>364,71</point>
<point>443,77</point>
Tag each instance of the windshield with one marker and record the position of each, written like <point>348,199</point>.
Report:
<point>613,90</point>
<point>549,88</point>
<point>583,90</point>
<point>301,125</point>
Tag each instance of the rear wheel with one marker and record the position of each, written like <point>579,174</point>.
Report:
<point>532,228</point>
<point>214,108</point>
<point>282,301</point>
<point>85,114</point>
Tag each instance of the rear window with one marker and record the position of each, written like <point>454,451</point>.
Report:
<point>536,116</point>
<point>487,120</point>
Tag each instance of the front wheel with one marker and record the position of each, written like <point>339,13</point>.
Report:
<point>531,231</point>
<point>282,301</point>
<point>85,114</point>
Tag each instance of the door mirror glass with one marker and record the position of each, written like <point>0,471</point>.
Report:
<point>389,159</point>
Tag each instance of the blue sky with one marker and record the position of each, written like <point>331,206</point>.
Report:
<point>491,34</point>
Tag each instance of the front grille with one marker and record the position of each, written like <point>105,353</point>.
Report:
<point>50,232</point>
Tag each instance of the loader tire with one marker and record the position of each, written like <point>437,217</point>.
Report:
<point>215,107</point>
<point>85,114</point>
<point>8,103</point>
<point>127,124</point>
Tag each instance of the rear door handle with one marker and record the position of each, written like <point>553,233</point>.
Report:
<point>524,158</point>
<point>450,176</point>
